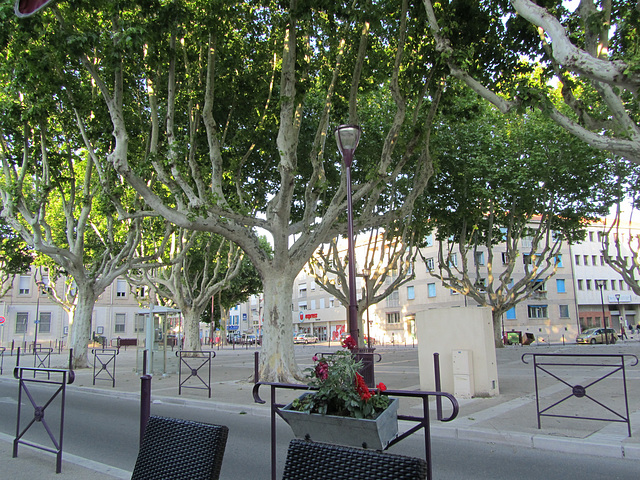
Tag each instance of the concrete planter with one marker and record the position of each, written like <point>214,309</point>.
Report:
<point>356,432</point>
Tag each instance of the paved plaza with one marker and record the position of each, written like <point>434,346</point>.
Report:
<point>509,418</point>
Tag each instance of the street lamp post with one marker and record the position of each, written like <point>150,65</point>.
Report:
<point>600,285</point>
<point>347,138</point>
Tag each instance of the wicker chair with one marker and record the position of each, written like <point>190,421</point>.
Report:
<point>180,449</point>
<point>322,461</point>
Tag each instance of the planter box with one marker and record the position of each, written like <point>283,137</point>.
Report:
<point>356,432</point>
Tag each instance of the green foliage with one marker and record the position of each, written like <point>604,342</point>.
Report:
<point>504,169</point>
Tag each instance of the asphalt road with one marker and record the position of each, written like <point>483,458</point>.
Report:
<point>104,427</point>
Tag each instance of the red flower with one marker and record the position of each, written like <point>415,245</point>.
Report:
<point>349,343</point>
<point>381,387</point>
<point>361,388</point>
<point>322,370</point>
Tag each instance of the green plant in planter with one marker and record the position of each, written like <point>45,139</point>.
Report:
<point>341,390</point>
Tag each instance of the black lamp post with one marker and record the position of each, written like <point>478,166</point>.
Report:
<point>600,285</point>
<point>347,138</point>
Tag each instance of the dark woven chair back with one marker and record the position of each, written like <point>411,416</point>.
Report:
<point>180,449</point>
<point>322,461</point>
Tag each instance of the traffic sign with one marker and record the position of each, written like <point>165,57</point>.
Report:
<point>2,320</point>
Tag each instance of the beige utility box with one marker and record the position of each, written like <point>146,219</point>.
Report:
<point>463,338</point>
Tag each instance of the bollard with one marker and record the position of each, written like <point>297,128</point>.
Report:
<point>255,367</point>
<point>436,372</point>
<point>145,397</point>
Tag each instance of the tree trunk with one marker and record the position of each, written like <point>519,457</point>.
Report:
<point>277,360</point>
<point>191,330</point>
<point>80,327</point>
<point>497,328</point>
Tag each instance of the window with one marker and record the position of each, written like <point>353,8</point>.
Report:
<point>526,258</point>
<point>44,285</point>
<point>453,260</point>
<point>585,258</point>
<point>560,285</point>
<point>45,322</point>
<point>511,313</point>
<point>121,289</point>
<point>602,260</point>
<point>393,317</point>
<point>600,236</point>
<point>302,305</point>
<point>559,261</point>
<point>322,303</point>
<point>120,323</point>
<point>428,241</point>
<point>537,311</point>
<point>332,302</point>
<point>25,285</point>
<point>505,258</point>
<point>431,290</point>
<point>411,294</point>
<point>393,300</point>
<point>591,236</point>
<point>22,320</point>
<point>481,285</point>
<point>430,264</point>
<point>313,304</point>
<point>621,284</point>
<point>302,290</point>
<point>613,284</point>
<point>594,260</point>
<point>580,284</point>
<point>564,311</point>
<point>539,288</point>
<point>139,324</point>
<point>479,258</point>
<point>577,258</point>
<point>588,284</point>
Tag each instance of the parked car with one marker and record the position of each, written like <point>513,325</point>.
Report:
<point>597,335</point>
<point>305,338</point>
<point>251,340</point>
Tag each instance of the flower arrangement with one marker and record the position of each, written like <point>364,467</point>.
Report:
<point>341,390</point>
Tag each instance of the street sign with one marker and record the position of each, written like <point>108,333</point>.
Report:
<point>2,320</point>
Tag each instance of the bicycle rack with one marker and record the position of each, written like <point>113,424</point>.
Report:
<point>62,378</point>
<point>189,359</point>
<point>105,357</point>
<point>580,391</point>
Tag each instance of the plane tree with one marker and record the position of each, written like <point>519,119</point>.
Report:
<point>590,50</point>
<point>509,190</point>
<point>386,258</point>
<point>220,116</point>
<point>196,267</point>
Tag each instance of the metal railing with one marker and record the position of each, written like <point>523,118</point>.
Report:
<point>422,422</point>
<point>193,361</point>
<point>611,363</point>
<point>61,378</point>
<point>106,359</point>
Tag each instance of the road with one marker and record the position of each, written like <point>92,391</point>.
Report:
<point>104,427</point>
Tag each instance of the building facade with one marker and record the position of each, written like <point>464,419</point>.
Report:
<point>584,293</point>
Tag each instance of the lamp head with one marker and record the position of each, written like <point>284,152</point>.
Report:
<point>347,138</point>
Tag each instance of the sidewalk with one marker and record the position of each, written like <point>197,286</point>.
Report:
<point>509,419</point>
